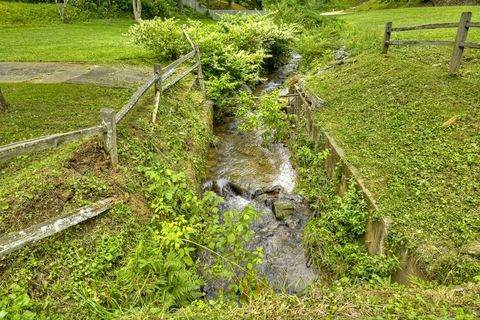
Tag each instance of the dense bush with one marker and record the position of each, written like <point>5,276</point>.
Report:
<point>234,51</point>
<point>264,115</point>
<point>239,48</point>
<point>163,37</point>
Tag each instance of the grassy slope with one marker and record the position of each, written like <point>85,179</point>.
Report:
<point>56,269</point>
<point>424,173</point>
<point>37,110</point>
<point>42,185</point>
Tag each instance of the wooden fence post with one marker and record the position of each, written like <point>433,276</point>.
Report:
<point>158,90</point>
<point>110,135</point>
<point>201,84</point>
<point>461,37</point>
<point>386,36</point>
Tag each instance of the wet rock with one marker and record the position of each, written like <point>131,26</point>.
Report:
<point>341,54</point>
<point>282,209</point>
<point>472,248</point>
<point>223,187</point>
<point>265,199</point>
<point>248,151</point>
<point>270,192</point>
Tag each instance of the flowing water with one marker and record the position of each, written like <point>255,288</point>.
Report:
<point>244,172</point>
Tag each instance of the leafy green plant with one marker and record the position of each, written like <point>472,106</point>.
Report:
<point>163,37</point>
<point>229,239</point>
<point>153,279</point>
<point>234,51</point>
<point>265,116</point>
<point>333,241</point>
<point>15,303</point>
<point>332,238</point>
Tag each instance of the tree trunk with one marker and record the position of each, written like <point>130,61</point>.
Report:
<point>180,5</point>
<point>62,9</point>
<point>137,9</point>
<point>3,102</point>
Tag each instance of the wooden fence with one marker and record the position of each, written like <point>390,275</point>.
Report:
<point>110,118</point>
<point>459,44</point>
<point>108,128</point>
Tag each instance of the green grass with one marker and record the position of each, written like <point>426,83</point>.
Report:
<point>34,187</point>
<point>390,115</point>
<point>42,109</point>
<point>101,41</point>
<point>364,30</point>
<point>343,301</point>
<point>33,32</point>
<point>14,13</point>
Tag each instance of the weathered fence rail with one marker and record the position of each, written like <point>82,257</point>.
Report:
<point>110,118</point>
<point>38,144</point>
<point>17,240</point>
<point>459,44</point>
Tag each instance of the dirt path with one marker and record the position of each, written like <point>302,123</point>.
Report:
<point>42,72</point>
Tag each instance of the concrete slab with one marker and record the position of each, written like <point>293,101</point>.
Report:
<point>39,72</point>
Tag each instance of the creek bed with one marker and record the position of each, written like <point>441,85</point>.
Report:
<point>243,172</point>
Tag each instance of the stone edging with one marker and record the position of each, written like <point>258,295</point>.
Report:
<point>304,104</point>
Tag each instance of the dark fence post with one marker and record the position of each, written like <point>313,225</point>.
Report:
<point>158,90</point>
<point>462,33</point>
<point>386,37</point>
<point>110,135</point>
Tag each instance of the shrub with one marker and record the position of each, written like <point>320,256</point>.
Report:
<point>239,48</point>
<point>265,117</point>
<point>163,37</point>
<point>234,51</point>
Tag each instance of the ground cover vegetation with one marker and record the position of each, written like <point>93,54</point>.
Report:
<point>411,130</point>
<point>142,258</point>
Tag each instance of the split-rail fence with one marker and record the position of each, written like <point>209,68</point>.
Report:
<point>459,44</point>
<point>109,121</point>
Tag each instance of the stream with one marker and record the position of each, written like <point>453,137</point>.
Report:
<point>244,172</point>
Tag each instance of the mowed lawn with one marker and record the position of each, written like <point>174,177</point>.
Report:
<point>413,132</point>
<point>364,29</point>
<point>33,32</point>
<point>41,109</point>
<point>100,41</point>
